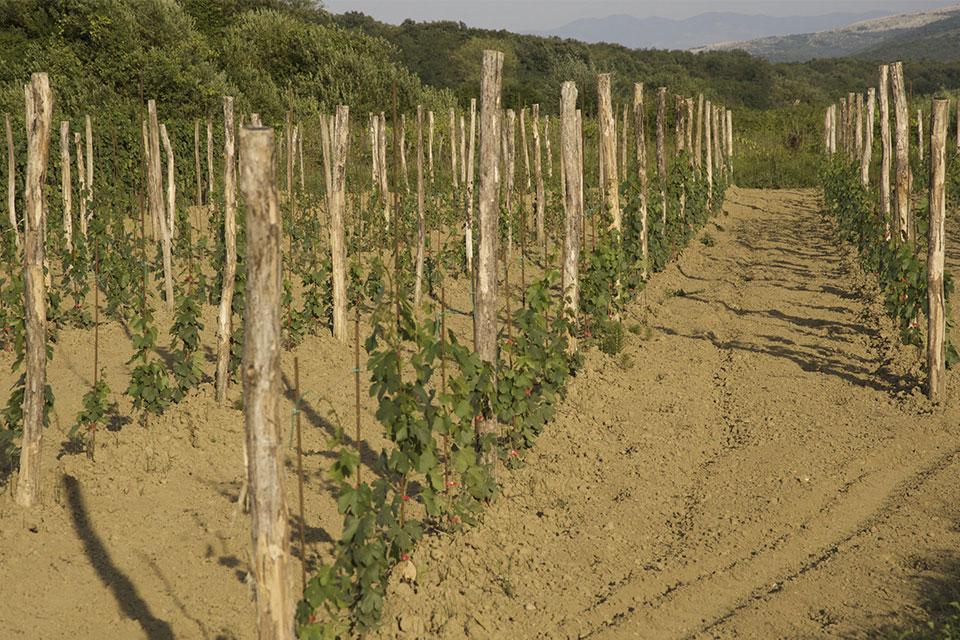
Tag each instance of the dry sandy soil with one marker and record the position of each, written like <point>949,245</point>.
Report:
<point>759,462</point>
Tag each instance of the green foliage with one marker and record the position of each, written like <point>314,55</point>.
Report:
<point>185,373</point>
<point>97,411</point>
<point>535,365</point>
<point>901,272</point>
<point>149,386</point>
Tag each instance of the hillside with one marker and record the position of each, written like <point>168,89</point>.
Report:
<point>926,34</point>
<point>700,30</point>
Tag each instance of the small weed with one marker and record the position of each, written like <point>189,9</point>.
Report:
<point>707,240</point>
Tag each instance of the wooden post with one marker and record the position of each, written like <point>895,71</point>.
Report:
<point>485,302</point>
<point>39,107</point>
<point>608,151</point>
<point>225,312</point>
<point>339,144</point>
<point>289,144</point>
<point>661,153</point>
<point>403,152</point>
<point>88,127</point>
<point>421,220</point>
<point>936,316</point>
<point>156,198</point>
<point>430,127</point>
<point>546,141</point>
<point>920,133</point>
<point>867,155</point>
<point>625,144</point>
<point>826,131</point>
<point>717,143</point>
<point>538,179</point>
<point>859,134</point>
<point>640,140</point>
<point>196,161</point>
<point>843,124</point>
<point>902,141</point>
<point>583,217</point>
<point>729,130</point>
<point>299,130</point>
<point>708,123</point>
<point>375,151</point>
<point>468,224</point>
<point>463,150</point>
<point>81,183</point>
<point>66,185</point>
<point>573,200</point>
<point>382,171</point>
<point>833,129</point>
<point>677,125</point>
<point>886,144</point>
<point>526,151</point>
<point>453,147</point>
<point>211,184</point>
<point>851,125</point>
<point>261,388</point>
<point>11,183</point>
<point>509,174</point>
<point>698,145</point>
<point>171,183</point>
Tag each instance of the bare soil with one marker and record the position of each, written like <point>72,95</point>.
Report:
<point>758,462</point>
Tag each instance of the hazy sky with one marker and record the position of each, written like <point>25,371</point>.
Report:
<point>541,15</point>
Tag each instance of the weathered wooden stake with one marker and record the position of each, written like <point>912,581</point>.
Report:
<point>708,123</point>
<point>546,141</point>
<point>453,147</point>
<point>421,219</point>
<point>430,127</point>
<point>662,154</point>
<point>729,131</point>
<point>859,125</point>
<point>573,201</point>
<point>903,218</point>
<point>261,388</point>
<point>196,161</point>
<point>698,144</point>
<point>336,199</point>
<point>538,180</point>
<point>485,301</point>
<point>39,107</point>
<point>920,133</point>
<point>468,179</point>
<point>608,151</point>
<point>640,140</point>
<point>156,198</point>
<point>867,156</point>
<point>81,183</point>
<point>936,316</point>
<point>171,183</point>
<point>886,147</point>
<point>211,184</point>
<point>66,185</point>
<point>526,151</point>
<point>225,312</point>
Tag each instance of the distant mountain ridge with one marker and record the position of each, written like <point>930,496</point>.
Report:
<point>700,30</point>
<point>933,34</point>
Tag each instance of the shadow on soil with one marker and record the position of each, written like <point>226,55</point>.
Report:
<point>123,590</point>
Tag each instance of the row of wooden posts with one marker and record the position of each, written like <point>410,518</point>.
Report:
<point>710,148</point>
<point>850,124</point>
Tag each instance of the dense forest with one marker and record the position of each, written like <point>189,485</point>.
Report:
<point>276,55</point>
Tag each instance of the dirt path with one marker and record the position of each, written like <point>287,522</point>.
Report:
<point>757,463</point>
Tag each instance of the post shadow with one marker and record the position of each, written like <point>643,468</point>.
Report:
<point>123,590</point>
